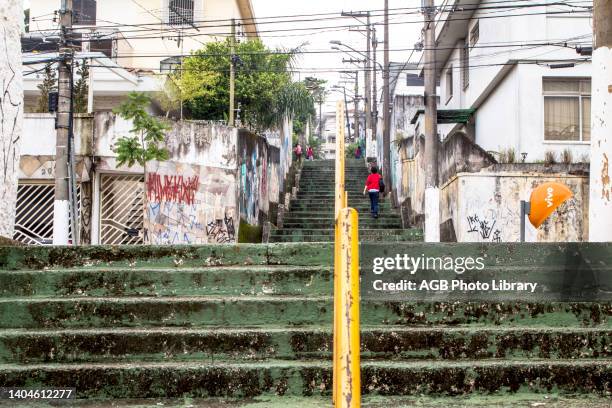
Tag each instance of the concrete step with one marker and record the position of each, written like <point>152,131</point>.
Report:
<point>364,222</point>
<point>359,205</point>
<point>327,238</point>
<point>196,281</point>
<point>293,216</point>
<point>377,232</point>
<point>165,344</point>
<point>305,378</point>
<point>250,311</point>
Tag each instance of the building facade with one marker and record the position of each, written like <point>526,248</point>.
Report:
<point>142,33</point>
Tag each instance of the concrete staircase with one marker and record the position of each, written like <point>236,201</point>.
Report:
<point>251,320</point>
<point>311,216</point>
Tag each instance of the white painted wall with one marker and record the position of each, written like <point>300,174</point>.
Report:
<point>512,116</point>
<point>11,114</point>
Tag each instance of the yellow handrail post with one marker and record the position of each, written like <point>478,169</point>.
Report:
<point>339,205</point>
<point>346,361</point>
<point>348,394</point>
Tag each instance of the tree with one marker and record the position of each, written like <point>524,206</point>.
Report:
<point>148,130</point>
<point>48,85</point>
<point>169,96</point>
<point>81,88</point>
<point>264,89</point>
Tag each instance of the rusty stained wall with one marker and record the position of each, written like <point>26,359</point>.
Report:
<point>189,204</point>
<point>485,207</point>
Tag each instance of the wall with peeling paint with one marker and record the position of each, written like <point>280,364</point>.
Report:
<point>402,141</point>
<point>11,112</point>
<point>189,204</point>
<point>206,160</point>
<point>485,206</point>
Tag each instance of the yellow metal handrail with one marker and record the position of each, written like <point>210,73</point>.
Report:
<point>346,364</point>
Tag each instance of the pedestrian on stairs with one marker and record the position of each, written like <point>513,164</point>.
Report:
<point>298,152</point>
<point>309,153</point>
<point>373,187</point>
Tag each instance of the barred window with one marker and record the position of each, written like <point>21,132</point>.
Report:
<point>84,12</point>
<point>180,12</point>
<point>465,65</point>
<point>475,34</point>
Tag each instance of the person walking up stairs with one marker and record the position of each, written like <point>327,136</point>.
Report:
<point>311,215</point>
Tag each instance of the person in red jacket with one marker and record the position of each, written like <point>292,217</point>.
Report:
<point>372,187</point>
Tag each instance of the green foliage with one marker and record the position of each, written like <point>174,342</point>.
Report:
<point>264,89</point>
<point>26,20</point>
<point>317,147</point>
<point>48,84</point>
<point>350,150</point>
<point>169,96</point>
<point>249,234</point>
<point>148,130</point>
<point>81,88</point>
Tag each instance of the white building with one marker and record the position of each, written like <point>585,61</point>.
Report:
<point>516,67</point>
<point>143,33</point>
<point>108,82</point>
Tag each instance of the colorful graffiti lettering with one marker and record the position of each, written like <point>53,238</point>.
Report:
<point>172,188</point>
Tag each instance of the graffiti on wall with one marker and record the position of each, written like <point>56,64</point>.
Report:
<point>484,227</point>
<point>189,204</point>
<point>173,188</point>
<point>255,181</point>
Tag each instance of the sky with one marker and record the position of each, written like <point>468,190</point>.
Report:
<point>403,34</point>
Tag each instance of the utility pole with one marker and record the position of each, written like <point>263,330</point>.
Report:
<point>232,73</point>
<point>61,206</point>
<point>348,121</point>
<point>356,113</point>
<point>386,110</point>
<point>432,191</point>
<point>374,82</point>
<point>600,197</point>
<point>368,80</point>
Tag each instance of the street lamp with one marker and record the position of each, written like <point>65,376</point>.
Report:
<point>348,123</point>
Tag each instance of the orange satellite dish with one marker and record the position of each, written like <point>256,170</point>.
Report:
<point>545,199</point>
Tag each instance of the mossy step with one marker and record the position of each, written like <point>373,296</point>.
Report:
<point>224,344</point>
<point>249,311</point>
<point>327,238</point>
<point>329,215</point>
<point>244,380</point>
<point>148,281</point>
<point>41,257</point>
<point>363,223</point>
<point>363,231</point>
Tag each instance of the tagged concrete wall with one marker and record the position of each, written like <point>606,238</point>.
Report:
<point>189,204</point>
<point>485,207</point>
<point>253,170</point>
<point>197,196</point>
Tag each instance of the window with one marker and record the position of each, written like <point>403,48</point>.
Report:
<point>449,83</point>
<point>475,34</point>
<point>567,109</point>
<point>465,65</point>
<point>84,12</point>
<point>180,12</point>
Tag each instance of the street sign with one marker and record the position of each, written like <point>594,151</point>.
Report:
<point>545,199</point>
